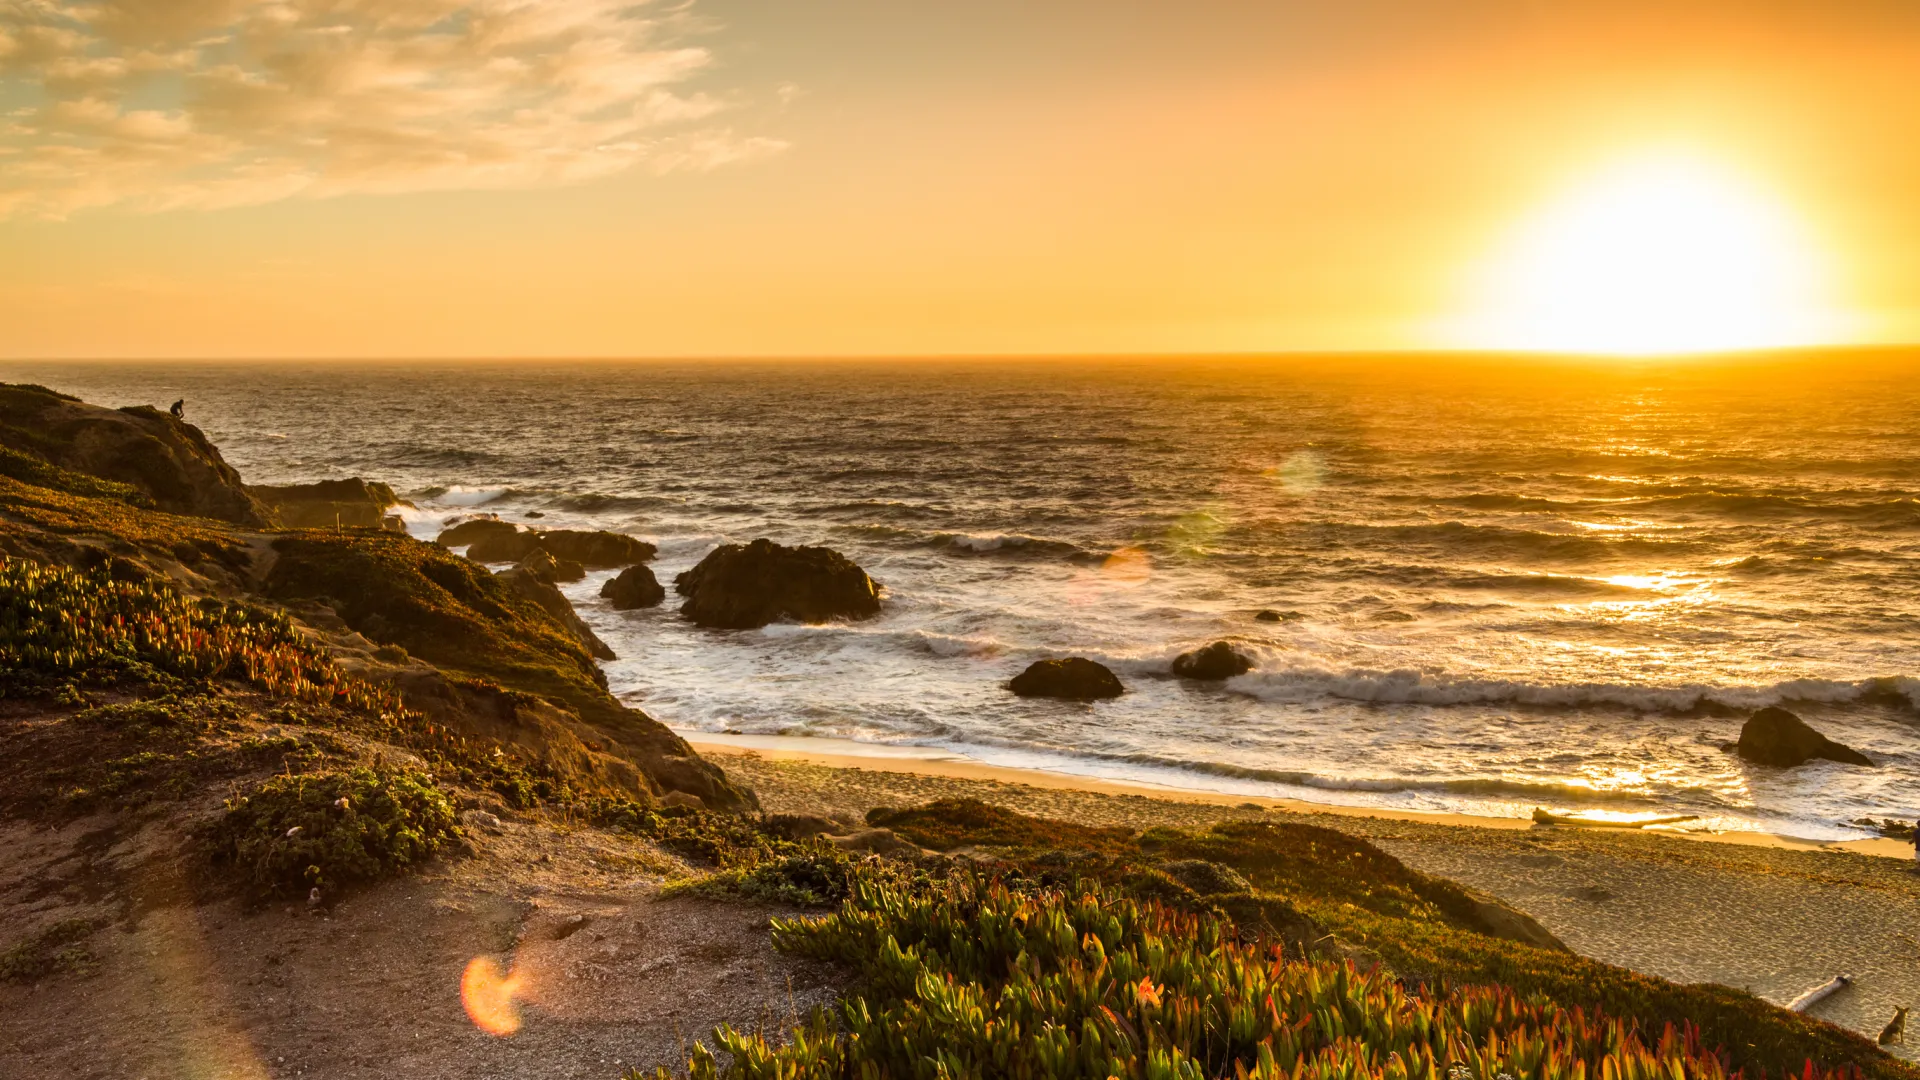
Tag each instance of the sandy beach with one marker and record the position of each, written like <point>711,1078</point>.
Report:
<point>1772,915</point>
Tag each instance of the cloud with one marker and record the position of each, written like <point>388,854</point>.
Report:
<point>166,104</point>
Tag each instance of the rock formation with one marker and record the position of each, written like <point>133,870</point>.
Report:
<point>501,542</point>
<point>353,503</point>
<point>595,550</point>
<point>541,564</point>
<point>635,587</point>
<point>1073,679</point>
<point>164,459</point>
<point>1217,661</point>
<point>1774,736</point>
<point>462,533</point>
<point>542,591</point>
<point>742,586</point>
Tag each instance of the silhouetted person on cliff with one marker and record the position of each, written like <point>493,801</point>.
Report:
<point>179,409</point>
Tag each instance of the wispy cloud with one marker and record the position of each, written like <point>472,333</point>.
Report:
<point>163,104</point>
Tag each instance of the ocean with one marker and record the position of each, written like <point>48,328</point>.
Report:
<point>1504,582</point>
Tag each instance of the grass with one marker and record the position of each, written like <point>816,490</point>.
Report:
<point>58,948</point>
<point>1178,953</point>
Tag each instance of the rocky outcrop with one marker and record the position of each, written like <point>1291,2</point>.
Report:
<point>593,550</point>
<point>168,461</point>
<point>499,547</point>
<point>634,588</point>
<point>1073,679</point>
<point>1774,736</point>
<point>742,586</point>
<point>451,613</point>
<point>462,533</point>
<point>327,504</point>
<point>541,564</point>
<point>1212,663</point>
<point>545,593</point>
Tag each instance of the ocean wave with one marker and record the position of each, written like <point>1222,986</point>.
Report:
<point>1483,787</point>
<point>1016,543</point>
<point>1408,687</point>
<point>1455,538</point>
<point>462,495</point>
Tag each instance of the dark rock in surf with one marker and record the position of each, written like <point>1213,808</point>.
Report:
<point>595,550</point>
<point>499,547</point>
<point>472,530</point>
<point>549,597</point>
<point>635,587</point>
<point>1074,679</point>
<point>543,565</point>
<point>743,586</point>
<point>1774,736</point>
<point>1270,615</point>
<point>1217,661</point>
<point>328,504</point>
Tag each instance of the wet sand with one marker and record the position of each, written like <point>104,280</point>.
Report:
<point>1773,915</point>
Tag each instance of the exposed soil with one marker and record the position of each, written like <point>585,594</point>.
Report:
<point>611,975</point>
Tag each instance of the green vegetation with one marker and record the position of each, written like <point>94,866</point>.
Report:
<point>977,978</point>
<point>60,947</point>
<point>33,471</point>
<point>60,625</point>
<point>1250,949</point>
<point>295,833</point>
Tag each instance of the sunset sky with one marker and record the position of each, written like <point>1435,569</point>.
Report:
<point>317,178</point>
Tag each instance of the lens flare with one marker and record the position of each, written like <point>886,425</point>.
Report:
<point>488,994</point>
<point>1127,568</point>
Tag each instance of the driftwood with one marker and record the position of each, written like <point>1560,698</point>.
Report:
<point>1545,817</point>
<point>1820,993</point>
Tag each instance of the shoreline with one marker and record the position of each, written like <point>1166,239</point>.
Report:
<point>924,761</point>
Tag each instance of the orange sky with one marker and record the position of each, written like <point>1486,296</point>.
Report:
<point>435,178</point>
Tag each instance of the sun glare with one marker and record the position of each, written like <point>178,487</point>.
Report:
<point>1657,255</point>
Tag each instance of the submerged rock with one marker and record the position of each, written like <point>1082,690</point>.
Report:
<point>353,503</point>
<point>743,586</point>
<point>1073,679</point>
<point>1216,661</point>
<point>167,462</point>
<point>1774,736</point>
<point>548,595</point>
<point>462,533</point>
<point>635,587</point>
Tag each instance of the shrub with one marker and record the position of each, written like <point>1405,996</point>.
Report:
<point>295,833</point>
<point>59,624</point>
<point>979,979</point>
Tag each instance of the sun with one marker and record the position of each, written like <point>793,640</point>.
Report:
<point>1659,254</point>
